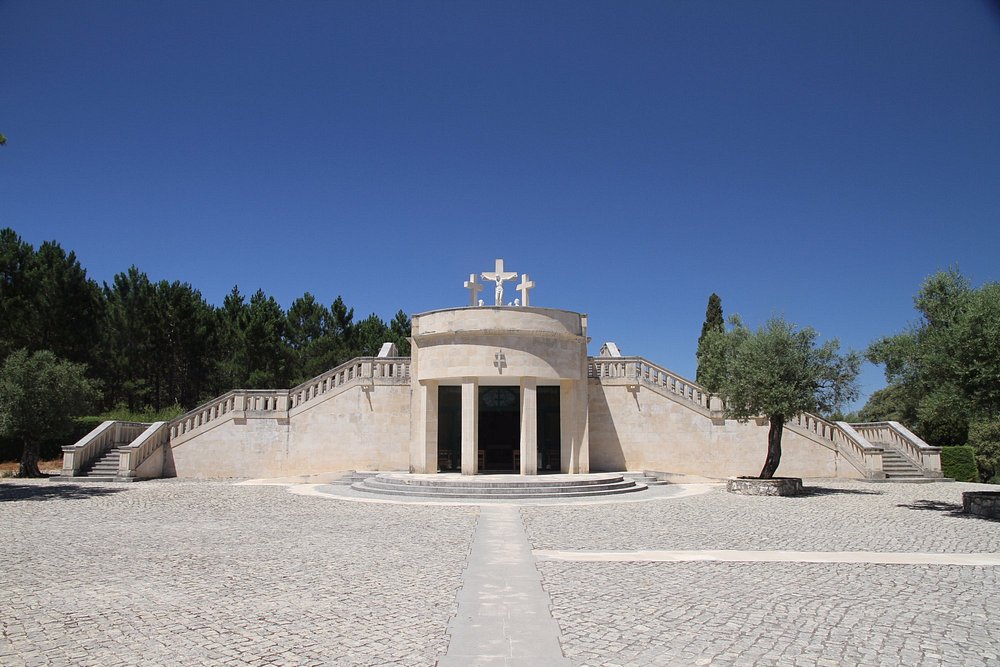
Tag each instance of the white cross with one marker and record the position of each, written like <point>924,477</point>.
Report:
<point>474,286</point>
<point>524,287</point>
<point>500,361</point>
<point>499,276</point>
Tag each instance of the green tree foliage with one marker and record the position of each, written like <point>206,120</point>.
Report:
<point>154,345</point>
<point>46,300</point>
<point>399,329</point>
<point>711,346</point>
<point>161,343</point>
<point>779,372</point>
<point>16,292</point>
<point>311,339</point>
<point>984,438</point>
<point>39,396</point>
<point>944,372</point>
<point>369,334</point>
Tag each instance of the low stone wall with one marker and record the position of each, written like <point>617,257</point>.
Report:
<point>752,486</point>
<point>982,503</point>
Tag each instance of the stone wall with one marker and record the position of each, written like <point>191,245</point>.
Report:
<point>637,428</point>
<point>361,428</point>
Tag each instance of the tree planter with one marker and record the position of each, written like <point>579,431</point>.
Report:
<point>754,486</point>
<point>982,503</point>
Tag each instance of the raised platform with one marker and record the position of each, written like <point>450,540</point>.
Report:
<point>498,487</point>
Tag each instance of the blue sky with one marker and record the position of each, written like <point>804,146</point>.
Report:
<point>815,160</point>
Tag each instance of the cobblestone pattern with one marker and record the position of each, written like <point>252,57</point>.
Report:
<point>834,516</point>
<point>638,614</point>
<point>632,614</point>
<point>191,573</point>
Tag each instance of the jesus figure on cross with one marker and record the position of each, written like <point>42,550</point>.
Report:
<point>499,276</point>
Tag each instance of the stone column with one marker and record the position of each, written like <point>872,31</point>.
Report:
<point>470,426</point>
<point>568,427</point>
<point>574,450</point>
<point>529,426</point>
<point>424,449</point>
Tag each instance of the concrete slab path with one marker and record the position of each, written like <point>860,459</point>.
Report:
<point>504,616</point>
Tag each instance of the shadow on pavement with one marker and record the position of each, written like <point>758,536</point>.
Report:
<point>14,491</point>
<point>948,509</point>
<point>808,491</point>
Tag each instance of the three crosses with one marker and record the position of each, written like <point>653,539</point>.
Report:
<point>498,276</point>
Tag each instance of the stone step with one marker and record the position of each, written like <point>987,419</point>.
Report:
<point>426,492</point>
<point>455,490</point>
<point>498,487</point>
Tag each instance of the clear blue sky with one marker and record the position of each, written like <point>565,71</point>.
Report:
<point>815,160</point>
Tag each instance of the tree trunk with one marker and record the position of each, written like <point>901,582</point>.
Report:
<point>29,460</point>
<point>773,446</point>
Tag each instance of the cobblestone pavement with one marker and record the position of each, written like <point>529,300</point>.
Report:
<point>768,613</point>
<point>173,572</point>
<point>191,573</point>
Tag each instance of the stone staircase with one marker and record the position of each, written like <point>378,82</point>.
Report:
<point>647,477</point>
<point>104,469</point>
<point>353,477</point>
<point>899,468</point>
<point>498,487</point>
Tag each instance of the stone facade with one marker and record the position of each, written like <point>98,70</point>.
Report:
<point>494,388</point>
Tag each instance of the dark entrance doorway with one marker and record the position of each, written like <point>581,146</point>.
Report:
<point>548,429</point>
<point>499,429</point>
<point>449,429</point>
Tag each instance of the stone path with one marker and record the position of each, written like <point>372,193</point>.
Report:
<point>732,556</point>
<point>503,614</point>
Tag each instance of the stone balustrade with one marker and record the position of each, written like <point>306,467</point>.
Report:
<point>139,451</point>
<point>109,435</point>
<point>637,371</point>
<point>899,437</point>
<point>276,403</point>
<point>364,370</point>
<point>643,371</point>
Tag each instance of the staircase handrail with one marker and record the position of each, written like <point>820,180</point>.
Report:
<point>103,438</point>
<point>134,454</point>
<point>237,400</point>
<point>646,372</point>
<point>897,436</point>
<point>859,452</point>
<point>366,370</point>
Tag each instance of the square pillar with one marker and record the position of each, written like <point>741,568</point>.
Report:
<point>424,448</point>
<point>470,426</point>
<point>574,450</point>
<point>529,426</point>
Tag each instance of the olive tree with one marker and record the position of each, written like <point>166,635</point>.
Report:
<point>778,372</point>
<point>39,396</point>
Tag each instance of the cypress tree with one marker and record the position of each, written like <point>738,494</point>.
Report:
<point>709,354</point>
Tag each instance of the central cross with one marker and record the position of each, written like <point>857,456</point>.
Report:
<point>499,276</point>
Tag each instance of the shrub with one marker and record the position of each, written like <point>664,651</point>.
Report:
<point>984,437</point>
<point>959,463</point>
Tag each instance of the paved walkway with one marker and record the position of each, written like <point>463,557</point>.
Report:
<point>210,573</point>
<point>503,614</point>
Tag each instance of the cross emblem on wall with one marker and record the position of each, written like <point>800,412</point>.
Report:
<point>500,361</point>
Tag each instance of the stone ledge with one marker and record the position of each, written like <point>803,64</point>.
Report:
<point>754,486</point>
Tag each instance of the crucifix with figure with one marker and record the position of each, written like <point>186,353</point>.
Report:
<point>499,276</point>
